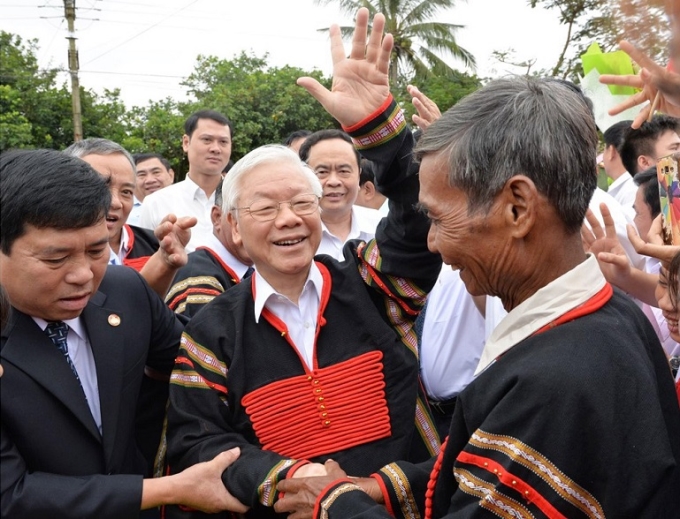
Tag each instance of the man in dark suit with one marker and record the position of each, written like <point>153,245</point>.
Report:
<point>74,353</point>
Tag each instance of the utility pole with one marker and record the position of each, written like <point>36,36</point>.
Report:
<point>70,14</point>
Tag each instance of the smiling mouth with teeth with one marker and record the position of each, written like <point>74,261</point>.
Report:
<point>288,242</point>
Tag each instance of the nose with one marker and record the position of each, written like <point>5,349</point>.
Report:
<point>115,201</point>
<point>80,271</point>
<point>286,217</point>
<point>333,179</point>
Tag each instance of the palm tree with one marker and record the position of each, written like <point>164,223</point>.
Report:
<point>417,38</point>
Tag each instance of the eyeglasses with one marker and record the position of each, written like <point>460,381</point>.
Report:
<point>264,210</point>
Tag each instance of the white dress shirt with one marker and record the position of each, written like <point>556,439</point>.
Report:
<point>624,189</point>
<point>117,258</point>
<point>364,222</point>
<point>452,338</point>
<point>135,216</point>
<point>184,198</point>
<point>548,303</point>
<point>301,318</point>
<point>621,219</point>
<point>232,261</point>
<point>80,351</point>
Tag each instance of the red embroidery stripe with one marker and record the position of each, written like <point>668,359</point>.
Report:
<point>529,493</point>
<point>592,305</point>
<point>234,277</point>
<point>136,263</point>
<point>212,385</point>
<point>327,410</point>
<point>184,295</point>
<point>370,117</point>
<point>385,494</point>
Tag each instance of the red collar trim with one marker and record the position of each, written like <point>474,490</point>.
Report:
<point>234,277</point>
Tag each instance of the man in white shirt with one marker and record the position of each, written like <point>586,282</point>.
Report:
<point>332,156</point>
<point>643,146</point>
<point>207,143</point>
<point>622,188</point>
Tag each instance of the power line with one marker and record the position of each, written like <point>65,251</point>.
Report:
<point>142,32</point>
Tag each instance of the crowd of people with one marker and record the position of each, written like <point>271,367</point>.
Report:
<point>366,322</point>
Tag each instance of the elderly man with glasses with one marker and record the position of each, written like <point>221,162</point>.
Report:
<point>311,358</point>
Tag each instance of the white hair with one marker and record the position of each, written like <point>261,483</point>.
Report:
<point>233,182</point>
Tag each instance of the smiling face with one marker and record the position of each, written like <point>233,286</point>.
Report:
<point>475,244</point>
<point>282,249</point>
<point>52,273</point>
<point>335,164</point>
<point>152,175</point>
<point>208,148</point>
<point>118,169</point>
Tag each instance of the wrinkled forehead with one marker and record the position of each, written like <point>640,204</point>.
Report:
<point>274,180</point>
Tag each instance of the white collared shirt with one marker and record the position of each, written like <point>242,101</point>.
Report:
<point>135,216</point>
<point>184,198</point>
<point>117,258</point>
<point>549,303</point>
<point>624,189</point>
<point>300,319</point>
<point>621,219</point>
<point>80,351</point>
<point>452,338</point>
<point>232,261</point>
<point>363,224</point>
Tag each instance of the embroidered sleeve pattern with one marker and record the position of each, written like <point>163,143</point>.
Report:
<point>401,496</point>
<point>197,367</point>
<point>377,130</point>
<point>404,299</point>
<point>197,290</point>
<point>508,471</point>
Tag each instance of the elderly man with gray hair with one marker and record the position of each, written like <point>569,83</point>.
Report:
<point>572,412</point>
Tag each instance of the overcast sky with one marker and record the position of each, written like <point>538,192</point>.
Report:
<point>147,47</point>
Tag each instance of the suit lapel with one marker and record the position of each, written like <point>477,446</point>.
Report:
<point>107,342</point>
<point>30,350</point>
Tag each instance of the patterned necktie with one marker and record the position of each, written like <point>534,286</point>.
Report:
<point>57,332</point>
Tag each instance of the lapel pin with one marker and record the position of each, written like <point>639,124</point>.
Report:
<point>114,320</point>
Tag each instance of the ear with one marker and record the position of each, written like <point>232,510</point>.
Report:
<point>185,145</point>
<point>235,229</point>
<point>171,171</point>
<point>520,199</point>
<point>644,162</point>
<point>610,152</point>
<point>369,190</point>
<point>216,217</point>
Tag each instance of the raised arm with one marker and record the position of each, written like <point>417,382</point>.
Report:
<point>360,82</point>
<point>653,79</point>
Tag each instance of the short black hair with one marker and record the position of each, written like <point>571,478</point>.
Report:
<point>649,182</point>
<point>367,173</point>
<point>641,141</point>
<point>48,189</point>
<point>141,157</point>
<point>615,134</point>
<point>297,134</point>
<point>191,123</point>
<point>324,135</point>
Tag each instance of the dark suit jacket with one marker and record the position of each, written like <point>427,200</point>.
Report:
<point>54,462</point>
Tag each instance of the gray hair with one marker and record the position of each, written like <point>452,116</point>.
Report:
<point>233,182</point>
<point>540,128</point>
<point>97,146</point>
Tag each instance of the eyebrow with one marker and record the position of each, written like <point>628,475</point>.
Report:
<point>421,207</point>
<point>62,250</point>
